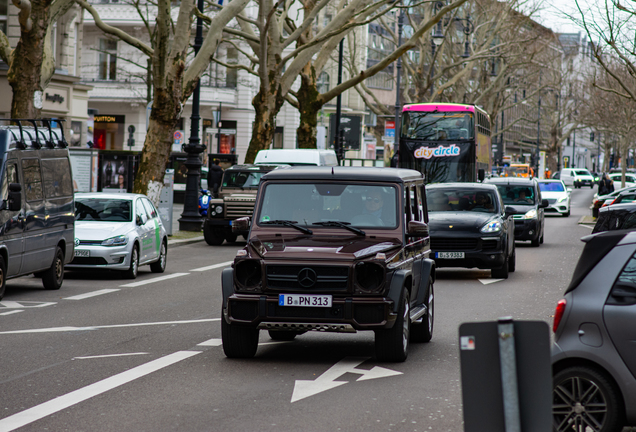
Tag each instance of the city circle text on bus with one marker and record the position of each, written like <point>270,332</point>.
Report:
<point>441,151</point>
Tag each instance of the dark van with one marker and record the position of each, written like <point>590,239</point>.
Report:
<point>36,206</point>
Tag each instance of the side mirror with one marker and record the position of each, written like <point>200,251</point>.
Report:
<point>141,219</point>
<point>508,210</point>
<point>15,197</point>
<point>241,224</point>
<point>544,204</point>
<point>481,174</point>
<point>417,229</point>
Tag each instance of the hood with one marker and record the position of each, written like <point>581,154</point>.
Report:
<point>319,247</point>
<point>100,230</point>
<point>460,221</point>
<point>517,208</point>
<point>556,194</point>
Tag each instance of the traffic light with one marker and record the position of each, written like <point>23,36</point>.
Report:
<point>592,136</point>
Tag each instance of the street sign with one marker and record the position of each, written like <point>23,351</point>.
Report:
<point>351,128</point>
<point>389,128</point>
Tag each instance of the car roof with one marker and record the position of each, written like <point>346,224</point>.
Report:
<point>111,195</point>
<point>511,181</point>
<point>550,180</point>
<point>458,185</point>
<point>254,167</point>
<point>629,207</point>
<point>343,173</point>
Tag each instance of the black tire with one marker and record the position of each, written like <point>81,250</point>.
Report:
<point>423,332</point>
<point>592,186</point>
<point>567,213</point>
<point>159,266</point>
<point>536,242</point>
<point>512,260</point>
<point>3,277</point>
<point>239,341</point>
<point>392,345</point>
<point>584,399</point>
<point>53,278</point>
<point>282,335</point>
<point>133,269</point>
<point>541,239</point>
<point>212,235</point>
<point>501,272</point>
<point>231,238</point>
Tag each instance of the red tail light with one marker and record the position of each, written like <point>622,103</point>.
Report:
<point>558,314</point>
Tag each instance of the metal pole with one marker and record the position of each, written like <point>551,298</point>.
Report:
<point>501,139</point>
<point>574,149</point>
<point>508,360</point>
<point>536,158</point>
<point>337,145</point>
<point>598,155</point>
<point>398,105</point>
<point>432,68</point>
<point>191,218</point>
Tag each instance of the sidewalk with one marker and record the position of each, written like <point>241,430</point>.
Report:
<point>181,237</point>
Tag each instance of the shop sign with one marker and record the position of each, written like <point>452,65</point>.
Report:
<point>110,119</point>
<point>441,151</point>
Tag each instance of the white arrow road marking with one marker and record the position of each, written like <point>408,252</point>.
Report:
<point>92,294</point>
<point>68,400</point>
<point>211,342</point>
<point>326,381</point>
<point>489,281</point>
<point>12,312</point>
<point>24,304</point>
<point>153,280</point>
<point>211,267</point>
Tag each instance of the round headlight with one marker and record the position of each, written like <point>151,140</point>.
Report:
<point>369,276</point>
<point>248,273</point>
<point>218,209</point>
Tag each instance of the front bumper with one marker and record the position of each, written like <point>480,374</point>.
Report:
<point>479,252</point>
<point>347,314</point>
<point>579,183</point>
<point>558,207</point>
<point>103,257</point>
<point>526,229</point>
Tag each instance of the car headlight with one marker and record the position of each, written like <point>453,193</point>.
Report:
<point>115,241</point>
<point>491,227</point>
<point>216,210</point>
<point>532,214</point>
<point>248,274</point>
<point>369,276</point>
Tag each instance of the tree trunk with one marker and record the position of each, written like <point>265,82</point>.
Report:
<point>26,66</point>
<point>309,107</point>
<point>264,124</point>
<point>165,113</point>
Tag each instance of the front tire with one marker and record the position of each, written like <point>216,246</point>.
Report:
<point>53,278</point>
<point>133,270</point>
<point>584,399</point>
<point>239,341</point>
<point>392,345</point>
<point>423,332</point>
<point>3,277</point>
<point>159,266</point>
<point>512,261</point>
<point>213,236</point>
<point>501,272</point>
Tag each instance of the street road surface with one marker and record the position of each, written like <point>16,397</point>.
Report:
<point>109,354</point>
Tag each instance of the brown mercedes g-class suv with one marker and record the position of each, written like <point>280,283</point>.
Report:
<point>335,249</point>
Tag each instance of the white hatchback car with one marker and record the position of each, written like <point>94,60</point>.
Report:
<point>630,180</point>
<point>118,231</point>
<point>557,195</point>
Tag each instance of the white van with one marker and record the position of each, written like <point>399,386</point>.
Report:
<point>297,157</point>
<point>577,177</point>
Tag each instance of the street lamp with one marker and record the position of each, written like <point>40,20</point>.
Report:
<point>398,66</point>
<point>191,218</point>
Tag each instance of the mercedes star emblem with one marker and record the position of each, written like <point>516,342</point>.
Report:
<point>307,278</point>
<point>77,242</point>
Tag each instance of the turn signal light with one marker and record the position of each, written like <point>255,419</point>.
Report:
<point>558,314</point>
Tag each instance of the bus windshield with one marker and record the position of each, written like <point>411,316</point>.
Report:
<point>519,170</point>
<point>437,126</point>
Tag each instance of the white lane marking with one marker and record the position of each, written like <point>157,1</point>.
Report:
<point>587,226</point>
<point>68,329</point>
<point>489,281</point>
<point>153,280</point>
<point>12,312</point>
<point>24,304</point>
<point>211,342</point>
<point>68,400</point>
<point>210,267</point>
<point>92,294</point>
<point>109,355</point>
<point>326,381</point>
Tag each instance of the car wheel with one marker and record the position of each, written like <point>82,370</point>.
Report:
<point>213,236</point>
<point>501,272</point>
<point>584,399</point>
<point>567,213</point>
<point>3,277</point>
<point>592,186</point>
<point>512,260</point>
<point>536,242</point>
<point>159,266</point>
<point>53,278</point>
<point>239,341</point>
<point>423,332</point>
<point>133,270</point>
<point>282,335</point>
<point>393,344</point>
<point>541,239</point>
<point>231,238</point>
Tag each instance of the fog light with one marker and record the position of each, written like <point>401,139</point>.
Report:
<point>492,257</point>
<point>530,232</point>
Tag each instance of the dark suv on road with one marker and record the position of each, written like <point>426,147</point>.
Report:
<point>522,198</point>
<point>335,249</point>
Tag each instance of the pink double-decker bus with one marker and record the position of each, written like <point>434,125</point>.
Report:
<point>445,142</point>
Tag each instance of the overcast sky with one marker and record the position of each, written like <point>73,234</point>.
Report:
<point>552,15</point>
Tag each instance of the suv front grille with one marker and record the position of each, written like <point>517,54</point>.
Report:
<point>326,278</point>
<point>453,244</point>
<point>239,208</point>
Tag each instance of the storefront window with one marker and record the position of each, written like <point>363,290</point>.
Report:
<point>227,142</point>
<point>108,132</point>
<point>107,59</point>
<point>4,7</point>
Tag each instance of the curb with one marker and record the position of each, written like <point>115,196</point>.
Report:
<point>182,242</point>
<point>587,220</point>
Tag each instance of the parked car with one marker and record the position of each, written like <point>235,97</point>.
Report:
<point>623,197</point>
<point>577,177</point>
<point>604,200</point>
<point>335,249</point>
<point>36,211</point>
<point>469,227</point>
<point>118,231</point>
<point>523,200</point>
<point>235,199</point>
<point>594,355</point>
<point>630,180</point>
<point>558,196</point>
<point>297,157</point>
<point>616,217</point>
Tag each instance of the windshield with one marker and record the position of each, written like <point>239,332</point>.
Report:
<point>450,200</point>
<point>307,204</point>
<point>516,194</point>
<point>551,187</point>
<point>437,126</point>
<point>103,210</point>
<point>242,179</point>
<point>582,172</point>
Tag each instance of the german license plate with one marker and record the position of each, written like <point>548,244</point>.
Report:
<point>449,255</point>
<point>306,300</point>
<point>82,253</point>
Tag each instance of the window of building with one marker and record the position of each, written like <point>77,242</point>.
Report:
<point>278,137</point>
<point>231,77</point>
<point>370,118</point>
<point>4,12</point>
<point>107,59</point>
<point>322,83</point>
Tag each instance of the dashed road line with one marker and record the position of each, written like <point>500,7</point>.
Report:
<point>211,342</point>
<point>109,355</point>
<point>211,267</point>
<point>153,280</point>
<point>12,312</point>
<point>92,294</point>
<point>23,304</point>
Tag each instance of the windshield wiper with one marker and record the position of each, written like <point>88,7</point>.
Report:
<point>345,225</point>
<point>288,223</point>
